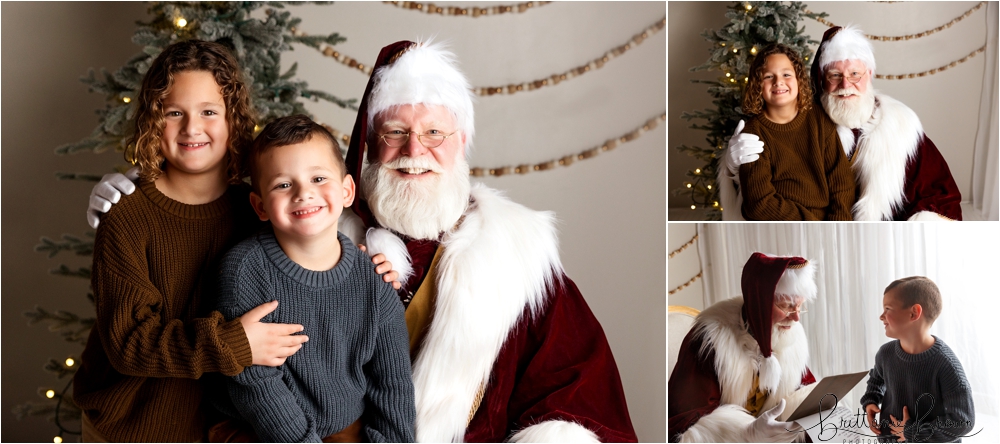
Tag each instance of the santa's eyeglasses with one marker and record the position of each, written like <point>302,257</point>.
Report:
<point>834,78</point>
<point>788,311</point>
<point>398,138</point>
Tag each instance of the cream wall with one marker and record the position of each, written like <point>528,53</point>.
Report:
<point>683,266</point>
<point>46,47</point>
<point>947,102</point>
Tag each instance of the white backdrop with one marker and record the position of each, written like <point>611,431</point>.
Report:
<point>855,263</point>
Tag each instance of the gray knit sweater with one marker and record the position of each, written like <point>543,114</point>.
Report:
<point>931,384</point>
<point>356,361</point>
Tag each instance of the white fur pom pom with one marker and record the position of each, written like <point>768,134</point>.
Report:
<point>380,240</point>
<point>555,431</point>
<point>927,216</point>
<point>770,374</point>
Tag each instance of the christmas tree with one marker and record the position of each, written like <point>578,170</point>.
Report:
<point>257,44</point>
<point>752,25</point>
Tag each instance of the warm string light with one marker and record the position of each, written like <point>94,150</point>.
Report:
<point>70,362</point>
<point>532,85</point>
<point>126,99</point>
<point>931,71</point>
<point>685,285</point>
<point>50,393</point>
<point>57,439</point>
<point>180,22</point>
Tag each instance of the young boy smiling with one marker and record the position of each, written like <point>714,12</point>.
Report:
<point>359,363</point>
<point>912,374</point>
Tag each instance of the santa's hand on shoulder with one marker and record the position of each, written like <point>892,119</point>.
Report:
<point>766,429</point>
<point>743,148</point>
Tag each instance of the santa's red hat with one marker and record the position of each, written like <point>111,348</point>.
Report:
<point>840,43</point>
<point>408,73</point>
<point>763,277</point>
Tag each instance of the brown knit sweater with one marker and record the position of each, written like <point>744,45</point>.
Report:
<point>802,174</point>
<point>155,265</point>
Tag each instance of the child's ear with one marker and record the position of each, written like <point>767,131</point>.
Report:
<point>348,186</point>
<point>258,206</point>
<point>916,311</point>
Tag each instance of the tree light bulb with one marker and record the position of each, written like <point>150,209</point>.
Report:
<point>753,50</point>
<point>693,207</point>
<point>723,43</point>
<point>709,187</point>
<point>126,99</point>
<point>746,79</point>
<point>50,393</point>
<point>57,439</point>
<point>749,7</point>
<point>735,50</point>
<point>697,170</point>
<point>715,204</point>
<point>70,362</point>
<point>688,185</point>
<point>181,22</point>
<point>728,74</point>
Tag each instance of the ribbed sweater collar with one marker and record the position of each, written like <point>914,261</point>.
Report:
<point>310,278</point>
<point>930,353</point>
<point>209,210</point>
<point>794,125</point>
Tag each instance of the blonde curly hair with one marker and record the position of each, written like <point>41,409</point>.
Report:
<point>190,55</point>
<point>753,98</point>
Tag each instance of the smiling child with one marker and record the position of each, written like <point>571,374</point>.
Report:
<point>802,174</point>
<point>354,384</point>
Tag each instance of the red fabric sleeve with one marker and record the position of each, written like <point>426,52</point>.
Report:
<point>693,388</point>
<point>930,185</point>
<point>558,366</point>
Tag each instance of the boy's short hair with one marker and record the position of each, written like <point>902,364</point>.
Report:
<point>290,131</point>
<point>753,97</point>
<point>918,290</point>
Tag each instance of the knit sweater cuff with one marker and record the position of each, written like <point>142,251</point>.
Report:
<point>233,335</point>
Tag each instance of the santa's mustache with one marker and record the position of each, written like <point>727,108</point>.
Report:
<point>846,92</point>
<point>414,163</point>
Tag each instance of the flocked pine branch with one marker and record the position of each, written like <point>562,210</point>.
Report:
<point>752,25</point>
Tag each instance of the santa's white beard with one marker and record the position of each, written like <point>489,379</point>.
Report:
<point>853,112</point>
<point>419,208</point>
<point>782,338</point>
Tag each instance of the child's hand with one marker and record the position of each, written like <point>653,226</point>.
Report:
<point>871,410</point>
<point>270,344</point>
<point>897,426</point>
<point>384,267</point>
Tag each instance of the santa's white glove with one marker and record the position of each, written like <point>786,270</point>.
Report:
<point>107,192</point>
<point>766,429</point>
<point>743,148</point>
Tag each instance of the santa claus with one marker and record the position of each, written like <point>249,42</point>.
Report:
<point>503,345</point>
<point>745,358</point>
<point>900,174</point>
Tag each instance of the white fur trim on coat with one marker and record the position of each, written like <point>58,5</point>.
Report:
<point>380,240</point>
<point>738,357</point>
<point>728,423</point>
<point>888,141</point>
<point>555,431</point>
<point>501,259</point>
<point>928,216</point>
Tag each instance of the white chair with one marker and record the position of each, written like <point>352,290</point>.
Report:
<point>679,322</point>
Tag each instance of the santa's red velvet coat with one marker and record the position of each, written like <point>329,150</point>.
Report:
<point>505,316</point>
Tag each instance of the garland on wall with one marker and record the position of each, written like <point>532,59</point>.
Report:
<point>883,38</point>
<point>532,85</point>
<point>675,253</point>
<point>475,12</point>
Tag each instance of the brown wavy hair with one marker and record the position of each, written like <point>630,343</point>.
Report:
<point>753,98</point>
<point>190,55</point>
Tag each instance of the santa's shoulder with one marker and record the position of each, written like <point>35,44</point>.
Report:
<point>895,118</point>
<point>721,325</point>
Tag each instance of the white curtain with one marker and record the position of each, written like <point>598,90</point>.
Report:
<point>985,181</point>
<point>855,262</point>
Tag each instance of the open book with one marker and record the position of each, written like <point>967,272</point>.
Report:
<point>823,419</point>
